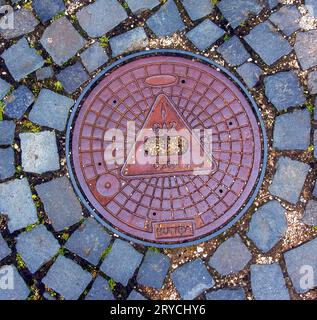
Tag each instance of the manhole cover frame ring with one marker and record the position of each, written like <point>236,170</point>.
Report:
<point>189,55</point>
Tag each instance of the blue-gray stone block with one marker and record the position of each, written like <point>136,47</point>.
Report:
<point>292,131</point>
<point>289,179</point>
<point>121,262</point>
<point>137,6</point>
<point>54,194</point>
<point>4,88</point>
<point>24,22</point>
<point>62,41</point>
<point>51,110</point>
<point>231,256</point>
<point>311,6</point>
<point>268,225</point>
<point>166,21</point>
<point>16,202</point>
<point>250,73</point>
<point>237,12</point>
<point>192,279</point>
<point>7,130</point>
<point>47,9</point>
<point>89,241</point>
<point>136,296</point>
<point>265,40</point>
<point>198,10</point>
<point>310,213</point>
<point>67,278</point>
<point>153,270</point>
<point>205,34</point>
<point>267,282</point>
<point>101,16</point>
<point>287,19</point>
<point>94,57</point>
<point>233,51</point>
<point>44,73</point>
<point>39,152</point>
<point>272,3</point>
<point>301,265</point>
<point>100,290</point>
<point>73,77</point>
<point>19,290</point>
<point>135,39</point>
<point>7,167</point>
<point>21,60</point>
<point>18,102</point>
<point>36,247</point>
<point>283,90</point>
<point>4,249</point>
<point>306,49</point>
<point>312,82</point>
<point>226,294</point>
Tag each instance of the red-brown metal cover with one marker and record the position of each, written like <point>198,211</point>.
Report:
<point>171,202</point>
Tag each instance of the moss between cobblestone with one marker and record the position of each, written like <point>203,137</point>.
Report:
<point>2,106</point>
<point>28,126</point>
<point>106,252</point>
<point>104,41</point>
<point>20,263</point>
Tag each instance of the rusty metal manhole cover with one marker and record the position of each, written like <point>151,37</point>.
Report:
<point>166,149</point>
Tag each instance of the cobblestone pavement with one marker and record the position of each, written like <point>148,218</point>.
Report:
<point>55,250</point>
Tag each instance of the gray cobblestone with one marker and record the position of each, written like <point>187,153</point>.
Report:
<point>24,22</point>
<point>54,194</point>
<point>96,20</point>
<point>67,278</point>
<point>205,34</point>
<point>37,247</point>
<point>267,282</point>
<point>166,21</point>
<point>16,203</point>
<point>21,60</point>
<point>62,41</point>
<point>39,152</point>
<point>132,40</point>
<point>289,179</point>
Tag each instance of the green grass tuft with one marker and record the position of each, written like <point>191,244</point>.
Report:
<point>311,148</point>
<point>310,107</point>
<point>106,252</point>
<point>28,126</point>
<point>2,106</point>
<point>103,41</point>
<point>112,284</point>
<point>58,86</point>
<point>20,262</point>
<point>226,37</point>
<point>157,250</point>
<point>61,251</point>
<point>125,5</point>
<point>65,236</point>
<point>59,15</point>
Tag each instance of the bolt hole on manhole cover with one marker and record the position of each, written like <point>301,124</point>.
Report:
<point>166,148</point>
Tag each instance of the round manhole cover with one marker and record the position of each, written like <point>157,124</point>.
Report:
<point>166,149</point>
